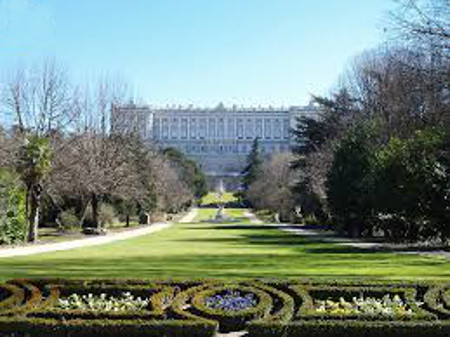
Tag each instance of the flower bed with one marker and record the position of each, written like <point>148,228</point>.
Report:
<point>35,308</point>
<point>125,302</point>
<point>231,300</point>
<point>360,302</point>
<point>386,307</point>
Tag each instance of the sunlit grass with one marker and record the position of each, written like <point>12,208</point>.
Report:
<point>233,250</point>
<point>213,198</point>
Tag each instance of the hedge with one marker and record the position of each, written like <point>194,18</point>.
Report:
<point>436,300</point>
<point>105,328</point>
<point>352,328</point>
<point>178,308</point>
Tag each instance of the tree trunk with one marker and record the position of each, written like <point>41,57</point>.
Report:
<point>84,212</point>
<point>33,218</point>
<point>95,208</point>
<point>128,220</point>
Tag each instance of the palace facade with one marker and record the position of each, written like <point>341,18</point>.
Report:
<point>218,139</point>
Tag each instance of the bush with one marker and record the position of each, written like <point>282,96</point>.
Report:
<point>350,328</point>
<point>69,220</point>
<point>12,209</point>
<point>349,180</point>
<point>412,188</point>
<point>106,216</point>
<point>27,308</point>
<point>39,327</point>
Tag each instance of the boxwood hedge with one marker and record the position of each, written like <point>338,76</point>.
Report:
<point>178,308</point>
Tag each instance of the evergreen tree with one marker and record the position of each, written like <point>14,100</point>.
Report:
<point>254,166</point>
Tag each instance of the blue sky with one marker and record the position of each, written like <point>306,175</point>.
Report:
<point>201,52</point>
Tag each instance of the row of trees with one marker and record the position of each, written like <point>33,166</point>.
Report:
<point>66,156</point>
<point>376,159</point>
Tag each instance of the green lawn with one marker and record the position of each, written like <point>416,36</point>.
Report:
<point>213,198</point>
<point>238,250</point>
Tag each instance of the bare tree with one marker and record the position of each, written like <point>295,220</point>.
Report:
<point>272,190</point>
<point>424,25</point>
<point>398,88</point>
<point>41,102</point>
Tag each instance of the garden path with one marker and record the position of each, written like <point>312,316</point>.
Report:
<point>348,242</point>
<point>92,241</point>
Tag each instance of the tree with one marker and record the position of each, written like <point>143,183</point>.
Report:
<point>254,166</point>
<point>93,167</point>
<point>312,148</point>
<point>349,180</point>
<point>13,224</point>
<point>41,101</point>
<point>188,171</point>
<point>412,188</point>
<point>34,164</point>
<point>272,190</point>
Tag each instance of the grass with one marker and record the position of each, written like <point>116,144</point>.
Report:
<point>233,250</point>
<point>213,198</point>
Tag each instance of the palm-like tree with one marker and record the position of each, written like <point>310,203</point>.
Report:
<point>34,164</point>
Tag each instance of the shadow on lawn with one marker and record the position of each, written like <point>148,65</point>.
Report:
<point>272,236</point>
<point>206,266</point>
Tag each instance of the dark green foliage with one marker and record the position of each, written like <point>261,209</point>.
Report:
<point>254,166</point>
<point>179,309</point>
<point>412,188</point>
<point>312,138</point>
<point>12,209</point>
<point>189,172</point>
<point>105,328</point>
<point>350,328</point>
<point>311,132</point>
<point>349,180</point>
<point>34,164</point>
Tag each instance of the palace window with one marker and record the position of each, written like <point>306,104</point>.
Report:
<point>165,128</point>
<point>240,128</point>
<point>267,129</point>
<point>193,129</point>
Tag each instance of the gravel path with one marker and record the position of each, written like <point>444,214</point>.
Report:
<point>347,242</point>
<point>91,241</point>
<point>252,217</point>
<point>190,216</point>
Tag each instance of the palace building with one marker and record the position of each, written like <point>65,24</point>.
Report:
<point>218,139</point>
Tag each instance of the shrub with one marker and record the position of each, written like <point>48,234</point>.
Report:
<point>349,328</point>
<point>12,209</point>
<point>69,220</point>
<point>30,308</point>
<point>106,216</point>
<point>349,180</point>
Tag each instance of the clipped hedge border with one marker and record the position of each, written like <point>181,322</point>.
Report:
<point>38,327</point>
<point>182,302</point>
<point>340,328</point>
<point>436,301</point>
<point>229,320</point>
<point>15,297</point>
<point>446,298</point>
<point>307,312</point>
<point>286,303</point>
